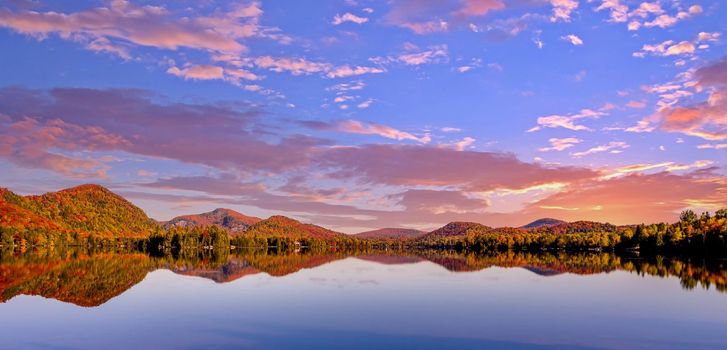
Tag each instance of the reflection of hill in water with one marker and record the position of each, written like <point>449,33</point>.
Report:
<point>543,271</point>
<point>238,266</point>
<point>231,270</point>
<point>82,280</point>
<point>391,259</point>
<point>545,264</point>
<point>285,264</point>
<point>87,279</point>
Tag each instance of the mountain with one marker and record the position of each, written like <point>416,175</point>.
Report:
<point>228,219</point>
<point>81,209</point>
<point>457,229</point>
<point>284,226</point>
<point>578,227</point>
<point>544,222</point>
<point>390,233</point>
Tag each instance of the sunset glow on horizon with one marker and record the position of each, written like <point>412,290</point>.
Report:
<point>357,114</point>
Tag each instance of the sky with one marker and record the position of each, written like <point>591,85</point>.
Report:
<point>358,114</point>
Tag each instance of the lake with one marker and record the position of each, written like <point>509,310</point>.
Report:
<point>360,300</point>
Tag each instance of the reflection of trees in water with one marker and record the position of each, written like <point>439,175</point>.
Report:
<point>91,278</point>
<point>691,271</point>
<point>245,262</point>
<point>74,277</point>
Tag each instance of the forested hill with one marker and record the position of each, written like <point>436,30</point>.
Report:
<point>544,222</point>
<point>92,215</point>
<point>82,210</point>
<point>457,229</point>
<point>286,227</point>
<point>227,219</point>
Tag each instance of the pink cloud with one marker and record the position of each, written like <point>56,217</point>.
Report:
<point>427,27</point>
<point>198,72</point>
<point>301,66</point>
<point>348,71</point>
<point>431,16</point>
<point>636,104</point>
<point>401,165</point>
<point>463,144</point>
<point>49,144</point>
<point>714,74</point>
<point>618,12</point>
<point>440,202</point>
<point>567,122</point>
<point>225,137</point>
<point>209,72</point>
<point>296,66</point>
<point>647,14</point>
<point>573,39</point>
<point>611,147</point>
<point>479,7</point>
<point>636,198</point>
<point>433,54</point>
<point>348,17</point>
<point>357,127</point>
<point>141,25</point>
<point>666,48</point>
<point>706,119</point>
<point>384,184</point>
<point>562,10</point>
<point>105,45</point>
<point>557,144</point>
<point>412,55</point>
<point>629,199</point>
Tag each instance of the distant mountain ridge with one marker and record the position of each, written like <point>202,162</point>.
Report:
<point>543,222</point>
<point>457,228</point>
<point>228,219</point>
<point>93,209</point>
<point>390,233</point>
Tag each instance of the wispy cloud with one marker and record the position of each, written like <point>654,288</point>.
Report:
<point>567,122</point>
<point>563,10</point>
<point>611,147</point>
<point>361,128</point>
<point>414,56</point>
<point>647,14</point>
<point>148,25</point>
<point>573,39</point>
<point>348,17</point>
<point>557,144</point>
<point>436,16</point>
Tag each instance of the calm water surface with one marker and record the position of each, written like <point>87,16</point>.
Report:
<point>132,301</point>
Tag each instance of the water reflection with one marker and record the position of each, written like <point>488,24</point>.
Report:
<point>92,278</point>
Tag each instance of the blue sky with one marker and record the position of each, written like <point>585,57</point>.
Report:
<point>361,114</point>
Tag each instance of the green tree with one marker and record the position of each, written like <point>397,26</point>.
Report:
<point>688,217</point>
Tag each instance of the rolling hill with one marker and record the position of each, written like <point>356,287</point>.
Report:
<point>82,209</point>
<point>456,229</point>
<point>576,227</point>
<point>286,227</point>
<point>231,221</point>
<point>93,209</point>
<point>544,222</point>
